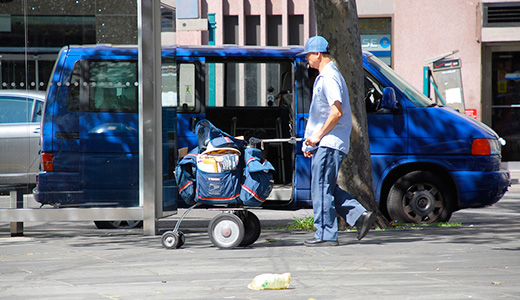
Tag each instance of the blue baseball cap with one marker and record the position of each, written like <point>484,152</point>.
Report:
<point>316,44</point>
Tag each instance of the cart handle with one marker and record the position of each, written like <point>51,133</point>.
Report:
<point>292,140</point>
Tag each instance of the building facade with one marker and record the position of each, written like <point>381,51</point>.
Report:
<point>483,35</point>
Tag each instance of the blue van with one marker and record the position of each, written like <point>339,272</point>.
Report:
<point>428,161</point>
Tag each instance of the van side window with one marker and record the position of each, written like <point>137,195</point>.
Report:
<point>103,86</point>
<point>73,94</point>
<point>373,94</point>
<point>186,100</point>
<point>169,82</point>
<point>251,84</point>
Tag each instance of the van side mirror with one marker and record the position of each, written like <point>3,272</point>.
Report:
<point>389,100</point>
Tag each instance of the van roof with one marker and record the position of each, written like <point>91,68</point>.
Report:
<point>204,50</point>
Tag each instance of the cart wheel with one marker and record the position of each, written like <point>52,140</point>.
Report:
<point>252,228</point>
<point>173,239</point>
<point>226,231</point>
<point>182,239</point>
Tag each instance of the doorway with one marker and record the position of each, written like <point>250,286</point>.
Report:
<point>505,109</point>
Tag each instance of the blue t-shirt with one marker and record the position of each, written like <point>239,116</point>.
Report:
<point>330,87</point>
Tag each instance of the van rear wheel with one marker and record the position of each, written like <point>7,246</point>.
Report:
<point>124,224</point>
<point>420,197</point>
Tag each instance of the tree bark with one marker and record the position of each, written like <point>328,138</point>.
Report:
<point>337,21</point>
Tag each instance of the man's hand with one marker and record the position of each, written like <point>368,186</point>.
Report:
<point>308,154</point>
<point>312,140</point>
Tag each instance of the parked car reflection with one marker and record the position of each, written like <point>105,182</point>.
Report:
<point>20,115</point>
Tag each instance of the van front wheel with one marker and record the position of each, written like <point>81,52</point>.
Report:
<point>420,197</point>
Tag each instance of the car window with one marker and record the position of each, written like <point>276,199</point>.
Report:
<point>14,109</point>
<point>37,112</point>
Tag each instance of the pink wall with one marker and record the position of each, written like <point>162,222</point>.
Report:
<point>424,29</point>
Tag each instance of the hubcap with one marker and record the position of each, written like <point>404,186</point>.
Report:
<point>423,202</point>
<point>226,231</point>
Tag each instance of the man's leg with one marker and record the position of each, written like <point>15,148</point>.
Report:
<point>323,182</point>
<point>346,206</point>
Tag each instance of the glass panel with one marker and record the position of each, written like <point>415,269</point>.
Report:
<point>506,101</point>
<point>187,87</point>
<point>415,96</point>
<point>169,129</point>
<point>32,33</point>
<point>113,86</point>
<point>376,37</point>
<point>253,84</point>
<point>169,82</point>
<point>90,90</point>
<point>14,110</point>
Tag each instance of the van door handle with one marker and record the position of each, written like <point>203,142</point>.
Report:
<point>67,135</point>
<point>36,130</point>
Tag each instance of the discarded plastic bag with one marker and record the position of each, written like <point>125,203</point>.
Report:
<point>270,282</point>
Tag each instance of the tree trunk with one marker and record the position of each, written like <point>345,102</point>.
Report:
<point>338,22</point>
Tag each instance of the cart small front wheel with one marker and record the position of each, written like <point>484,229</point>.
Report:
<point>226,231</point>
<point>172,239</point>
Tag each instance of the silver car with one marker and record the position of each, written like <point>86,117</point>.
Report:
<point>20,115</point>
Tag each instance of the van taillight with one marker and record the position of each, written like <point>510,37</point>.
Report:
<point>480,147</point>
<point>47,163</point>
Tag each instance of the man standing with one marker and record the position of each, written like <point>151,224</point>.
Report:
<point>327,141</point>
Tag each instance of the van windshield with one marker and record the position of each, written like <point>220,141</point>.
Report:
<point>415,96</point>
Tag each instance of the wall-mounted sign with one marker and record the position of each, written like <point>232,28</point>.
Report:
<point>376,42</point>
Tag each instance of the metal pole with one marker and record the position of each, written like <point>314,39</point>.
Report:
<point>16,202</point>
<point>150,117</point>
<point>426,81</point>
<point>211,66</point>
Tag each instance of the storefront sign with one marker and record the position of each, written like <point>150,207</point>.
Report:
<point>375,42</point>
<point>471,112</point>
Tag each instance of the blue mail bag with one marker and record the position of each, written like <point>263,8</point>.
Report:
<point>218,176</point>
<point>185,176</point>
<point>258,179</point>
<point>209,136</point>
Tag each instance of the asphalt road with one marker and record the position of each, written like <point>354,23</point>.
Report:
<point>480,259</point>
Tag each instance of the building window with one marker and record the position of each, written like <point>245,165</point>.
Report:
<point>505,14</point>
<point>296,30</point>
<point>274,30</point>
<point>376,37</point>
<point>48,31</point>
<point>167,20</point>
<point>231,30</point>
<point>252,30</point>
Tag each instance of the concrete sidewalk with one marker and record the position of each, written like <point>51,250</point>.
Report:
<point>73,260</point>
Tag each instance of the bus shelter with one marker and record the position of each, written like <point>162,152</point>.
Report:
<point>101,22</point>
